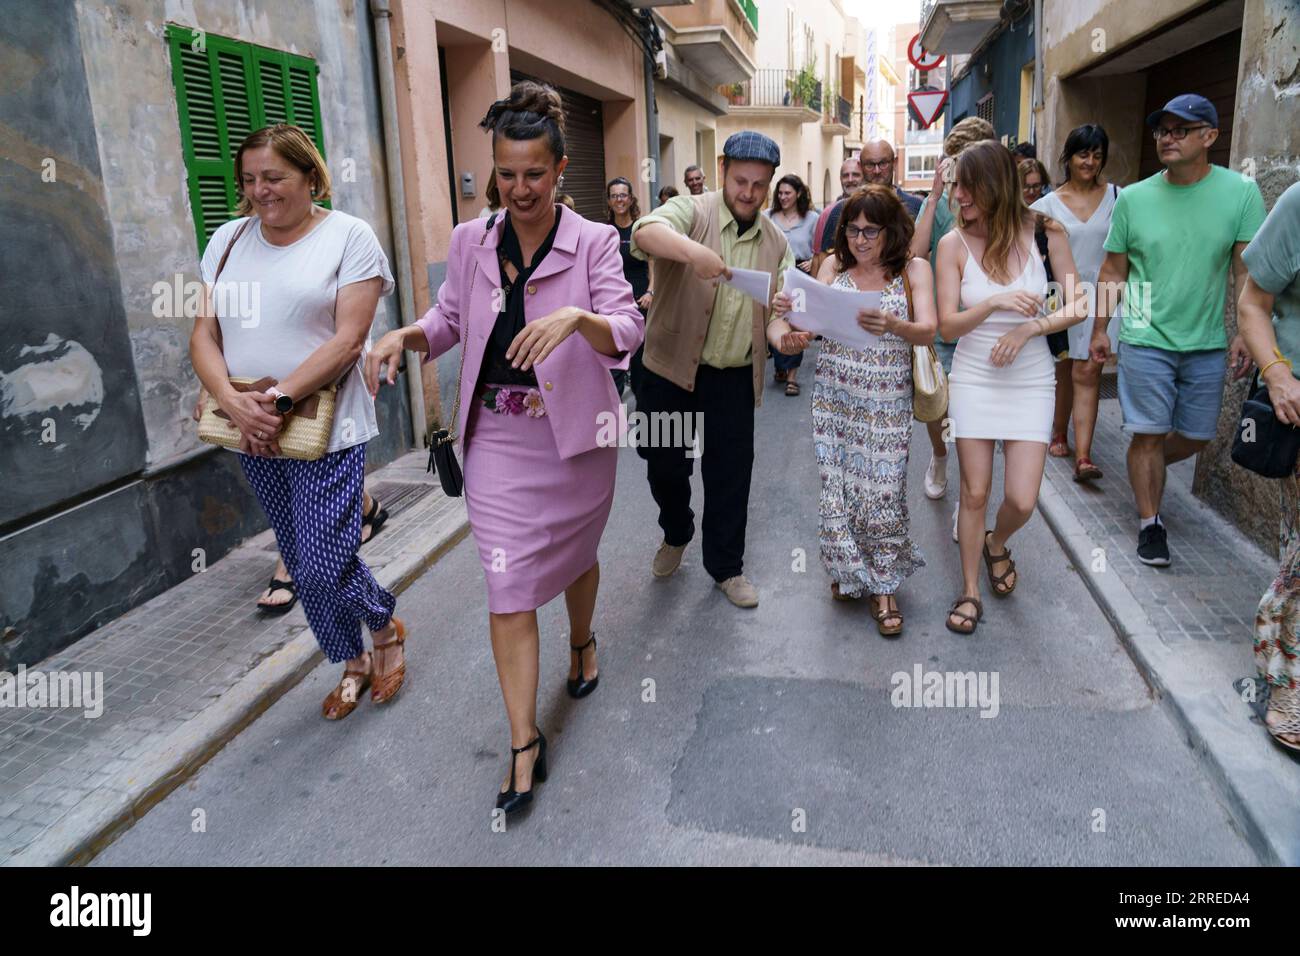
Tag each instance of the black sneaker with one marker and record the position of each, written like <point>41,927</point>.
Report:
<point>1153,546</point>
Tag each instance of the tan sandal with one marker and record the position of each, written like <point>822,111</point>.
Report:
<point>966,619</point>
<point>343,699</point>
<point>887,613</point>
<point>385,686</point>
<point>999,581</point>
<point>1284,704</point>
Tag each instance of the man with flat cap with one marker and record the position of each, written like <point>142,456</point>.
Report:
<point>1172,239</point>
<point>705,351</point>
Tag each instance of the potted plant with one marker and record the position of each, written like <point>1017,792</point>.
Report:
<point>803,85</point>
<point>736,94</point>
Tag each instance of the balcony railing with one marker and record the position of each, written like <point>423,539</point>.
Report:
<point>844,111</point>
<point>772,88</point>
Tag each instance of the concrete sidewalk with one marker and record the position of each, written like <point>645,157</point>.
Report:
<point>1189,627</point>
<point>182,674</point>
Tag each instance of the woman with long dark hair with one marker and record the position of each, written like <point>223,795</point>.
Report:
<point>862,403</point>
<point>792,210</point>
<point>991,289</point>
<point>621,211</point>
<point>534,390</point>
<point>1083,205</point>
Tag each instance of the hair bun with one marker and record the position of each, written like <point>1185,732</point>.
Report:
<point>532,97</point>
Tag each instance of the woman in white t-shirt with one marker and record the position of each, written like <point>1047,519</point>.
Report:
<point>296,297</point>
<point>1083,204</point>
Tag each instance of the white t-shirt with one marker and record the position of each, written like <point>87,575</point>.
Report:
<point>275,305</point>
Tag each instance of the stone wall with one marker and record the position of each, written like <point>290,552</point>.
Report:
<point>1266,144</point>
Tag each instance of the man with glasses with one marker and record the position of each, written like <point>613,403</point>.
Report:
<point>1172,238</point>
<point>876,165</point>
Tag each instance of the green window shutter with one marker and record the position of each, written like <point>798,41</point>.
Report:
<point>224,92</point>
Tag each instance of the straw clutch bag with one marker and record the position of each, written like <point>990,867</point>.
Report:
<point>307,428</point>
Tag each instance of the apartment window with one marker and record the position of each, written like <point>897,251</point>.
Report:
<point>984,107</point>
<point>225,89</point>
<point>921,165</point>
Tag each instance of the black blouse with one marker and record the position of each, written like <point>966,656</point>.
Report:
<point>497,369</point>
<point>635,271</point>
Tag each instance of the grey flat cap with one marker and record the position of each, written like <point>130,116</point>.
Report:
<point>748,144</point>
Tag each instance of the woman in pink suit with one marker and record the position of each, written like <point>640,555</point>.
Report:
<point>537,301</point>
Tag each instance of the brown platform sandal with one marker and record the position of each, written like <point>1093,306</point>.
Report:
<point>385,686</point>
<point>887,613</point>
<point>967,619</point>
<point>343,699</point>
<point>999,581</point>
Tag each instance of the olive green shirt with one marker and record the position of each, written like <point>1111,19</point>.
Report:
<point>729,341</point>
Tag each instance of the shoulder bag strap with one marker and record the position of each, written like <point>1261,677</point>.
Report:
<point>907,291</point>
<point>230,245</point>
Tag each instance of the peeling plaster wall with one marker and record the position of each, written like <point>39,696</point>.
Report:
<point>1266,143</point>
<point>109,510</point>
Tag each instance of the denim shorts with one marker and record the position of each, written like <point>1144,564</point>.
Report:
<point>945,351</point>
<point>1162,391</point>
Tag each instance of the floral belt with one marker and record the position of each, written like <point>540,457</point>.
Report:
<point>512,400</point>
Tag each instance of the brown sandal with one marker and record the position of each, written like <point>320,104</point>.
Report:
<point>973,621</point>
<point>999,581</point>
<point>791,388</point>
<point>887,613</point>
<point>343,699</point>
<point>385,686</point>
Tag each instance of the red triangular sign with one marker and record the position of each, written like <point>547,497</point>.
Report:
<point>927,104</point>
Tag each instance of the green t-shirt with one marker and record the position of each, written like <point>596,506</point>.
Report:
<point>1179,243</point>
<point>943,221</point>
<point>1273,261</point>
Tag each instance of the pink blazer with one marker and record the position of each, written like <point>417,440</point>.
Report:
<point>585,269</point>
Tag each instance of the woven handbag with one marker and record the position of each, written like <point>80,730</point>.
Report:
<point>307,429</point>
<point>929,384</point>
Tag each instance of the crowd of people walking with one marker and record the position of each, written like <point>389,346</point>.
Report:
<point>1005,277</point>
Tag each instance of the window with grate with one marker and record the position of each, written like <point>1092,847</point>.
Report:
<point>226,89</point>
<point>984,107</point>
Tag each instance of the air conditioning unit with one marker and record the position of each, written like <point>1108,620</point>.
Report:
<point>661,65</point>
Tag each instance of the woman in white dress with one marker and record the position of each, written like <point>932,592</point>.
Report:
<point>1083,205</point>
<point>991,289</point>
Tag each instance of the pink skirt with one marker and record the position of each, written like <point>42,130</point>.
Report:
<point>537,518</point>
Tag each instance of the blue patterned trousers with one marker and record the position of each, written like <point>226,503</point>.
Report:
<point>315,509</point>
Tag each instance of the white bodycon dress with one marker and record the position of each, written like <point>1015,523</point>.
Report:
<point>1014,402</point>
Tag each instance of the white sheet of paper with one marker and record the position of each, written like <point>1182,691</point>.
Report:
<point>832,313</point>
<point>752,282</point>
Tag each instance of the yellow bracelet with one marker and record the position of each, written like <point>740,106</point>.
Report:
<point>1277,361</point>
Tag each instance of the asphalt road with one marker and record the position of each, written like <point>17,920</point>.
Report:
<point>771,737</point>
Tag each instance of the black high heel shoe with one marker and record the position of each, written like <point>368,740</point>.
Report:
<point>580,687</point>
<point>511,800</point>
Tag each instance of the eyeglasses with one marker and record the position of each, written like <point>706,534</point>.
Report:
<point>1176,133</point>
<point>883,164</point>
<point>1033,189</point>
<point>870,232</point>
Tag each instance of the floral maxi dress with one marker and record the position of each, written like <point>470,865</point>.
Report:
<point>862,426</point>
<point>1277,622</point>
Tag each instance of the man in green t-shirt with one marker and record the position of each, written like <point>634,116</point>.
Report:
<point>1172,237</point>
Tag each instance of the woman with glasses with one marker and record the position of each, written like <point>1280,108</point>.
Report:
<point>862,403</point>
<point>792,210</point>
<point>1083,204</point>
<point>621,210</point>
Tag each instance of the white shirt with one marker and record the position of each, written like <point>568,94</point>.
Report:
<point>275,305</point>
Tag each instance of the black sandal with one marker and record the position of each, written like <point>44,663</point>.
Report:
<point>374,520</point>
<point>287,606</point>
<point>967,619</point>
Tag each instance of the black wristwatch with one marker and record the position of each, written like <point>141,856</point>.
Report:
<point>283,403</point>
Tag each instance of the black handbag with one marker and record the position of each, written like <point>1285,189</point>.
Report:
<point>1263,444</point>
<point>442,443</point>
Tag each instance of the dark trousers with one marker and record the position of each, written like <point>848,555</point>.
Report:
<point>725,400</point>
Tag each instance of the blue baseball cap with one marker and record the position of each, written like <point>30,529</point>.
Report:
<point>749,145</point>
<point>1188,106</point>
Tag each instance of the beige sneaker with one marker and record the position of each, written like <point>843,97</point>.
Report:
<point>667,559</point>
<point>739,591</point>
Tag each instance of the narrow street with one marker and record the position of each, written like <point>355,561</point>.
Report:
<point>771,736</point>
